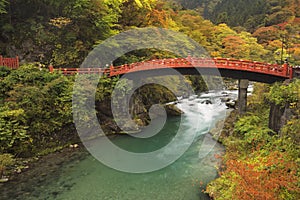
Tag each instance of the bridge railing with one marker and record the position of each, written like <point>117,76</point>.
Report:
<point>220,63</point>
<point>12,63</point>
<point>74,71</point>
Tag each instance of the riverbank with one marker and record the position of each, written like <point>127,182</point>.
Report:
<point>224,127</point>
<point>40,169</point>
<point>21,166</point>
<point>255,154</point>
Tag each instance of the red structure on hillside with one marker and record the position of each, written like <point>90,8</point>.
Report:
<point>12,63</point>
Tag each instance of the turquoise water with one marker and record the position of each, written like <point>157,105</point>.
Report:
<point>89,179</point>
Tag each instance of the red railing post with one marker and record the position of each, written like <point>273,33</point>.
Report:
<point>111,69</point>
<point>189,58</point>
<point>291,72</point>
<point>285,69</point>
<point>51,68</point>
<point>17,62</point>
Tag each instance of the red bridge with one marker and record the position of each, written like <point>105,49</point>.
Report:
<point>232,68</point>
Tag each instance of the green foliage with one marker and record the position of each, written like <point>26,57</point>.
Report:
<point>197,83</point>
<point>292,130</point>
<point>222,188</point>
<point>36,105</point>
<point>13,129</point>
<point>3,4</point>
<point>253,129</point>
<point>106,87</point>
<point>6,160</point>
<point>4,71</point>
<point>257,100</point>
<point>58,32</point>
<point>285,94</point>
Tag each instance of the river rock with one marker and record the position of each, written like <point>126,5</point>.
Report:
<point>225,99</point>
<point>3,180</point>
<point>206,102</point>
<point>173,110</point>
<point>231,104</point>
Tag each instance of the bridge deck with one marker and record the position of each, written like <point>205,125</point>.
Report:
<point>233,68</point>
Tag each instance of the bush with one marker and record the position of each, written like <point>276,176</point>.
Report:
<point>36,106</point>
<point>282,94</point>
<point>13,129</point>
<point>5,161</point>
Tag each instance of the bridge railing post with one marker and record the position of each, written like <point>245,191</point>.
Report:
<point>51,68</point>
<point>111,70</point>
<point>189,58</point>
<point>291,72</point>
<point>17,62</point>
<point>285,69</point>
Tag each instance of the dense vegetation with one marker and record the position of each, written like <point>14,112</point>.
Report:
<point>248,14</point>
<point>261,164</point>
<point>275,23</point>
<point>64,32</point>
<point>36,106</point>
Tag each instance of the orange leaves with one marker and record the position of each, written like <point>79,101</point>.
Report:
<point>158,18</point>
<point>235,47</point>
<point>265,34</point>
<point>263,177</point>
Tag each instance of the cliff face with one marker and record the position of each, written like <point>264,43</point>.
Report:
<point>140,104</point>
<point>284,102</point>
<point>279,116</point>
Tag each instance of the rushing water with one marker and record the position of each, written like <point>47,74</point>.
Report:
<point>183,180</point>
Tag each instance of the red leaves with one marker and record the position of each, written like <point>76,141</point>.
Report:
<point>264,177</point>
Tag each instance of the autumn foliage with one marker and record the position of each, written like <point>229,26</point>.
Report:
<point>257,177</point>
<point>260,164</point>
<point>263,178</point>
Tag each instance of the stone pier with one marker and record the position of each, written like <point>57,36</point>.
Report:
<point>242,96</point>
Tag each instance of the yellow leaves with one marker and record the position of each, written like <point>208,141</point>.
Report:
<point>293,105</point>
<point>215,54</point>
<point>275,44</point>
<point>139,3</point>
<point>296,53</point>
<point>142,3</point>
<point>172,24</point>
<point>60,21</point>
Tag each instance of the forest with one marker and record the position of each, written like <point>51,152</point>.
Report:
<point>62,33</point>
<point>36,106</point>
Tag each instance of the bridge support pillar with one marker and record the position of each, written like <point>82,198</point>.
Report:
<point>242,96</point>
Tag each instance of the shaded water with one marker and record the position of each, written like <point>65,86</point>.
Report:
<point>183,180</point>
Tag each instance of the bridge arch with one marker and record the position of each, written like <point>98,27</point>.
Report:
<point>243,70</point>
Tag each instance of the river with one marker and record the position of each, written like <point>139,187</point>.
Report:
<point>89,179</point>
